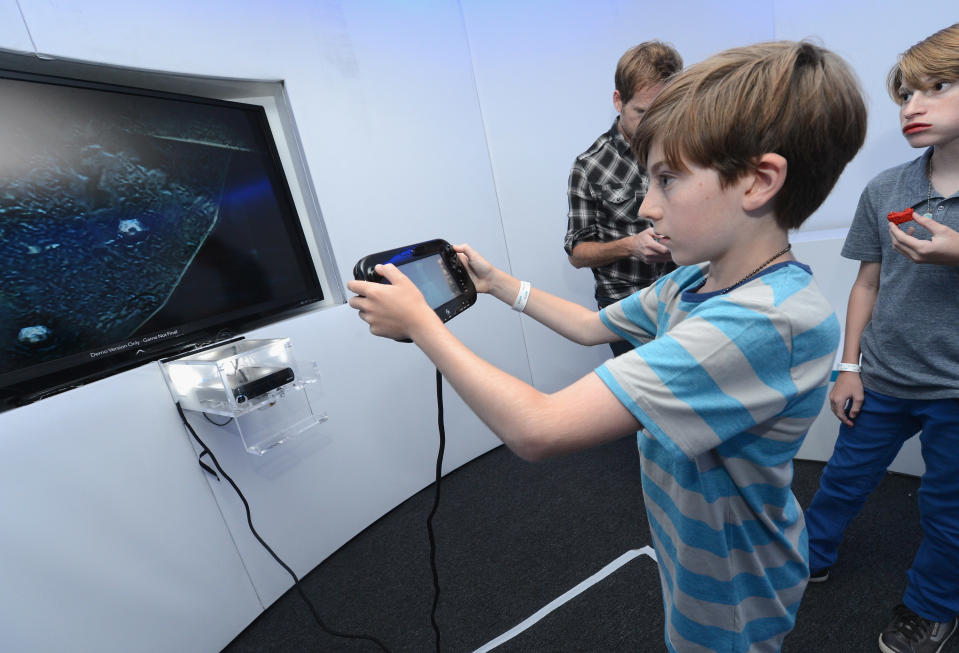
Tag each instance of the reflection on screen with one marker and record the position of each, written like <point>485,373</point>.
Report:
<point>132,224</point>
<point>433,279</point>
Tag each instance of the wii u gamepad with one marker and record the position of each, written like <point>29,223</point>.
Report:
<point>434,267</point>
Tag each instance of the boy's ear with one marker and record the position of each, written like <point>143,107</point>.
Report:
<point>617,101</point>
<point>768,178</point>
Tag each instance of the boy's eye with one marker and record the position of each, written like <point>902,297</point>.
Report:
<point>663,180</point>
<point>904,95</point>
<point>941,86</point>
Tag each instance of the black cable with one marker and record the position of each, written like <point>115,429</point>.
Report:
<point>436,503</point>
<point>211,421</point>
<point>249,521</point>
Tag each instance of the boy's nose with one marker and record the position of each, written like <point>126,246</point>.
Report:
<point>651,214</point>
<point>913,105</point>
<point>647,211</point>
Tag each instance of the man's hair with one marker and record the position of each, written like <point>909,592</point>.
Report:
<point>647,64</point>
<point>935,57</point>
<point>797,100</point>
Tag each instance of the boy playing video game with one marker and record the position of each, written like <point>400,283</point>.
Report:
<point>733,350</point>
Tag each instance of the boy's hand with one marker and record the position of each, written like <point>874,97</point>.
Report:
<point>392,310</point>
<point>846,391</point>
<point>943,249</point>
<point>647,247</point>
<point>480,270</point>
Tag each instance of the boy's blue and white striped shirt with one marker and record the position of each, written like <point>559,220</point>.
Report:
<point>726,387</point>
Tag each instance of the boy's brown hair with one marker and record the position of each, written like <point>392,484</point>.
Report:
<point>935,57</point>
<point>648,64</point>
<point>794,99</point>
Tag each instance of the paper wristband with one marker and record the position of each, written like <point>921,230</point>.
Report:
<point>522,297</point>
<point>849,367</point>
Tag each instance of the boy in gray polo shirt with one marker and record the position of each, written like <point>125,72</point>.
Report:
<point>902,315</point>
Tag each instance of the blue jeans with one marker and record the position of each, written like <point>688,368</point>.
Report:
<point>859,462</point>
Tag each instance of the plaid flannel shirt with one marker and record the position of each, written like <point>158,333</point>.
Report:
<point>606,187</point>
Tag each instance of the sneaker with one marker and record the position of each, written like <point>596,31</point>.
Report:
<point>819,575</point>
<point>910,633</point>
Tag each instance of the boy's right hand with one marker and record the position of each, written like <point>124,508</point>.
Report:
<point>480,270</point>
<point>847,391</point>
<point>942,248</point>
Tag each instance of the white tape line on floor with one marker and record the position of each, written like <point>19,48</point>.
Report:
<point>564,598</point>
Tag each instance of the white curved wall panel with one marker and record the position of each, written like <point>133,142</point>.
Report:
<point>417,120</point>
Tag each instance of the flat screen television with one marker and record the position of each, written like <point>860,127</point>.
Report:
<point>135,225</point>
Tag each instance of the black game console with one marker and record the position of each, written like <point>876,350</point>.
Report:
<point>251,382</point>
<point>434,268</point>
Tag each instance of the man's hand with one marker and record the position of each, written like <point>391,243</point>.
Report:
<point>846,391</point>
<point>647,247</point>
<point>943,249</point>
<point>392,310</point>
<point>595,254</point>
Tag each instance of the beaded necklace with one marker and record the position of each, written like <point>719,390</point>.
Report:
<point>756,271</point>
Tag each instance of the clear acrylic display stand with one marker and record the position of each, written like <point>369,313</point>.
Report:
<point>257,383</point>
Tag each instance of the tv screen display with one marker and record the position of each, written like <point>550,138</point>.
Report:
<point>135,224</point>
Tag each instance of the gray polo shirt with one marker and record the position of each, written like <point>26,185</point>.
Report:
<point>910,348</point>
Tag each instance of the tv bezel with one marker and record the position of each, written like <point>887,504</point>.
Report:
<point>67,376</point>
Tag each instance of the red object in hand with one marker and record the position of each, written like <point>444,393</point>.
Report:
<point>898,217</point>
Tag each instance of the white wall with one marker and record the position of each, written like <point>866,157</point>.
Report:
<point>834,274</point>
<point>418,120</point>
<point>545,84</point>
<point>397,153</point>
<point>869,36</point>
<point>544,72</point>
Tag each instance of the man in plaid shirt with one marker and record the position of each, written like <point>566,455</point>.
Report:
<point>606,187</point>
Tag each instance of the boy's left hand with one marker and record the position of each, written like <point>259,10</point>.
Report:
<point>392,310</point>
<point>943,249</point>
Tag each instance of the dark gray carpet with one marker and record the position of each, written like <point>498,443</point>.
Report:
<point>512,536</point>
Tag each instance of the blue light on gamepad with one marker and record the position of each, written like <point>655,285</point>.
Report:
<point>405,255</point>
